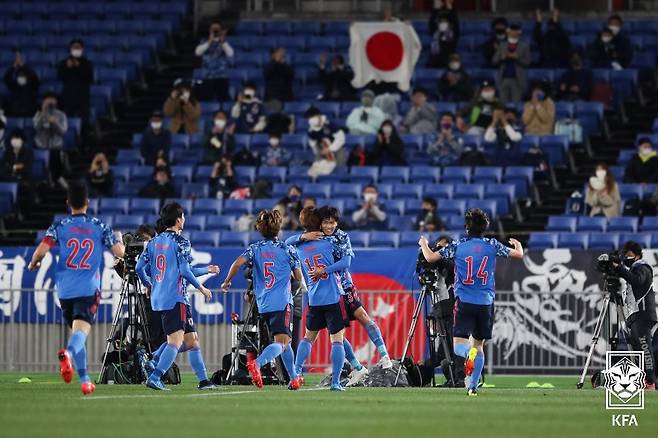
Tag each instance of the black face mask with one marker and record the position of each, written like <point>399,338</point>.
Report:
<point>628,261</point>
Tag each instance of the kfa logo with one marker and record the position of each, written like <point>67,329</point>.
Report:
<point>624,382</point>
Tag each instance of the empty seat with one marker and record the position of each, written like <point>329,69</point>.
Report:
<point>468,191</point>
<point>144,206</point>
<point>488,206</point>
<point>456,174</point>
<point>393,206</point>
<point>407,191</point>
<point>624,224</point>
<point>644,239</point>
<point>318,190</point>
<point>238,206</point>
<point>394,174</point>
<point>234,239</point>
<point>207,206</point>
<point>630,191</point>
<point>561,223</point>
<point>127,222</point>
<point>204,238</point>
<point>542,240</point>
<point>346,191</point>
<point>113,206</point>
<point>195,190</point>
<point>448,207</point>
<point>586,223</point>
<point>383,239</point>
<point>438,191</point>
<point>424,174</point>
<point>364,174</point>
<point>273,174</point>
<point>186,204</point>
<point>606,241</point>
<point>359,239</point>
<point>223,222</point>
<point>487,174</point>
<point>572,240</point>
<point>195,222</point>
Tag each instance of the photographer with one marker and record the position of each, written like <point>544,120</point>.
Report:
<point>639,301</point>
<point>183,108</point>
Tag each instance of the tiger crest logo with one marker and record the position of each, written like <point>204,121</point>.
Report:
<point>624,381</point>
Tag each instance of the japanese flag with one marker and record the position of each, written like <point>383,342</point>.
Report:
<point>383,51</point>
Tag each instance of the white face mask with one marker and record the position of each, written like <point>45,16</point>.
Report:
<point>614,29</point>
<point>220,123</point>
<point>185,95</point>
<point>248,96</point>
<point>16,143</point>
<point>488,95</point>
<point>454,65</point>
<point>512,40</point>
<point>644,151</point>
<point>76,53</point>
<point>370,197</point>
<point>274,141</point>
<point>21,80</point>
<point>156,125</point>
<point>606,39</point>
<point>444,26</point>
<point>314,122</point>
<point>387,130</point>
<point>601,173</point>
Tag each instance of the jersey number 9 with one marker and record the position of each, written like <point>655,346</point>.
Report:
<point>161,265</point>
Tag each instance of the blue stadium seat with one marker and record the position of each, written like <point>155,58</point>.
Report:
<point>586,223</point>
<point>468,191</point>
<point>542,240</point>
<point>409,239</point>
<point>590,115</point>
<point>238,206</point>
<point>572,240</point>
<point>364,174</point>
<point>113,206</point>
<point>248,28</point>
<point>454,222</point>
<point>623,224</point>
<point>208,206</point>
<point>141,173</point>
<point>561,223</point>
<point>195,190</point>
<point>223,222</point>
<point>383,239</point>
<point>489,206</point>
<point>521,176</point>
<point>245,174</point>
<point>121,173</point>
<point>272,174</point>
<point>456,175</point>
<point>195,222</point>
<point>438,191</point>
<point>448,207</point>
<point>317,190</point>
<point>276,28</point>
<point>127,222</point>
<point>649,223</point>
<point>630,191</point>
<point>644,239</point>
<point>407,191</point>
<point>234,239</point>
<point>359,239</point>
<point>129,156</point>
<point>487,175</point>
<point>425,174</point>
<point>394,174</point>
<point>412,207</point>
<point>399,223</point>
<point>606,241</point>
<point>144,206</point>
<point>186,204</point>
<point>263,204</point>
<point>204,238</point>
<point>346,191</point>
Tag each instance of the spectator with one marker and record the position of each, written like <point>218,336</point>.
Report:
<point>443,11</point>
<point>77,74</point>
<point>643,167</point>
<point>248,111</point>
<point>455,84</point>
<point>50,125</point>
<point>325,142</point>
<point>606,52</point>
<point>370,215</point>
<point>389,148</point>
<point>477,116</point>
<point>443,44</point>
<point>497,36</point>
<point>621,41</point>
<point>156,141</point>
<point>448,147</point>
<point>216,54</point>
<point>553,44</point>
<point>576,82</point>
<point>278,122</point>
<point>428,220</point>
<point>183,108</point>
<point>309,201</point>
<point>275,155</point>
<point>100,178</point>
<point>23,85</point>
<point>512,58</point>
<point>602,195</point>
<point>160,186</point>
<point>539,112</point>
<point>337,80</point>
<point>290,206</point>
<point>220,140</point>
<point>505,132</point>
<point>279,76</point>
<point>422,117</point>
<point>17,167</point>
<point>359,157</point>
<point>366,119</point>
<point>222,179</point>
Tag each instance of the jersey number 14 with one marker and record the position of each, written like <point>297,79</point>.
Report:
<point>481,274</point>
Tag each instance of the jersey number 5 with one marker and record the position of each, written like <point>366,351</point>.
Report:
<point>161,265</point>
<point>270,278</point>
<point>75,245</point>
<point>481,274</point>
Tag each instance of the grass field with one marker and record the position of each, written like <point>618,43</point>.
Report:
<point>49,408</point>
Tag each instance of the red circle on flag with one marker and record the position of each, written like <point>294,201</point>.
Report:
<point>385,51</point>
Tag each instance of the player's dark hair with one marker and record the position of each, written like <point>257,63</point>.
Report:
<point>169,214</point>
<point>146,230</point>
<point>445,237</point>
<point>447,114</point>
<point>328,212</point>
<point>632,246</point>
<point>269,223</point>
<point>309,219</point>
<point>77,195</point>
<point>476,222</point>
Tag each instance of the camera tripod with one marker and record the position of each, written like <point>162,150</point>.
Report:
<point>125,332</point>
<point>604,316</point>
<point>435,328</point>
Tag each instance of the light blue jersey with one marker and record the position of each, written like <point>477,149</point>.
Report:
<point>320,254</point>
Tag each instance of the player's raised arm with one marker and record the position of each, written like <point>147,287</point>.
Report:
<point>235,267</point>
<point>517,251</point>
<point>429,255</point>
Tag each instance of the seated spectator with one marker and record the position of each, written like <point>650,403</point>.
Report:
<point>422,117</point>
<point>156,141</point>
<point>326,143</point>
<point>366,119</point>
<point>370,215</point>
<point>539,112</point>
<point>50,126</point>
<point>428,219</point>
<point>77,74</point>
<point>222,179</point>
<point>643,167</point>
<point>278,122</point>
<point>389,148</point>
<point>606,52</point>
<point>290,206</point>
<point>512,59</point>
<point>183,108</point>
<point>160,186</point>
<point>620,40</point>
<point>602,195</point>
<point>443,10</point>
<point>444,29</point>
<point>17,159</point>
<point>100,178</point>
<point>553,44</point>
<point>279,77</point>
<point>576,82</point>
<point>477,116</point>
<point>23,85</point>
<point>275,155</point>
<point>220,140</point>
<point>506,133</point>
<point>337,79</point>
<point>216,54</point>
<point>455,84</point>
<point>497,36</point>
<point>448,147</point>
<point>359,157</point>
<point>248,112</point>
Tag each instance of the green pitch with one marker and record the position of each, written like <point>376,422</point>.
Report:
<point>48,408</point>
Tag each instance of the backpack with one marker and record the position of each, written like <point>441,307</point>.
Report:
<point>571,128</point>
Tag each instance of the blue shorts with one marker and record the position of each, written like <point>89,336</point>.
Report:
<point>473,320</point>
<point>352,303</point>
<point>83,308</point>
<point>178,318</point>
<point>331,317</point>
<point>278,322</point>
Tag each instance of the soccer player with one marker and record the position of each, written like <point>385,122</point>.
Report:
<point>167,258</point>
<point>273,263</point>
<point>475,267</point>
<point>81,240</point>
<point>326,309</point>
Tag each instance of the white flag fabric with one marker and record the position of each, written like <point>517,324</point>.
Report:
<point>384,51</point>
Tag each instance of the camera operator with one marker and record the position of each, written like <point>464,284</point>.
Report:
<point>639,302</point>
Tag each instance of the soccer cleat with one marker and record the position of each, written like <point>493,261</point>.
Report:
<point>472,392</point>
<point>156,384</point>
<point>386,363</point>
<point>650,386</point>
<point>295,384</point>
<point>336,388</point>
<point>149,366</point>
<point>356,376</point>
<point>87,388</point>
<point>205,385</point>
<point>254,372</point>
<point>469,364</point>
<point>301,379</point>
<point>65,366</point>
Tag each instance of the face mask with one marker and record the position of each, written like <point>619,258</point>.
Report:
<point>446,125</point>
<point>614,29</point>
<point>185,95</point>
<point>606,39</point>
<point>156,125</point>
<point>248,96</point>
<point>370,197</point>
<point>314,122</point>
<point>21,80</point>
<point>454,65</point>
<point>367,102</point>
<point>16,143</point>
<point>500,34</point>
<point>628,261</point>
<point>644,151</point>
<point>601,173</point>
<point>488,95</point>
<point>512,40</point>
<point>274,141</point>
<point>220,123</point>
<point>387,130</point>
<point>443,26</point>
<point>540,95</point>
<point>294,198</point>
<point>76,53</point>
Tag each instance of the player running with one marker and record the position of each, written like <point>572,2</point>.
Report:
<point>167,259</point>
<point>475,267</point>
<point>273,264</point>
<point>81,240</point>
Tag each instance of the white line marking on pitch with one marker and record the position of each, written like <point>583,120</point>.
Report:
<point>205,394</point>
